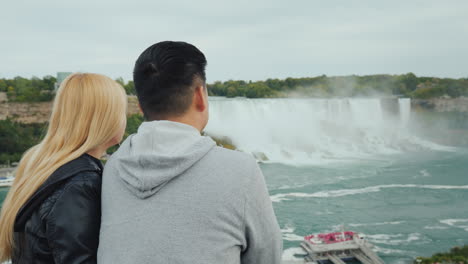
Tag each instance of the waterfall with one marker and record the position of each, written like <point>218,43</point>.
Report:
<point>314,131</point>
<point>405,110</point>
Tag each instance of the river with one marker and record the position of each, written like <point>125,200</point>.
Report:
<point>361,163</point>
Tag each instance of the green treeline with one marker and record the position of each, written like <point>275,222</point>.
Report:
<point>16,138</point>
<point>20,89</point>
<point>407,85</point>
<point>128,86</point>
<point>457,255</point>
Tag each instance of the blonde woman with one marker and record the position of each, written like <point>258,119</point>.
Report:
<point>52,212</point>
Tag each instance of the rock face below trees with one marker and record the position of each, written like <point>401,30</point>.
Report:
<point>39,112</point>
<point>26,112</point>
<point>3,97</point>
<point>459,104</point>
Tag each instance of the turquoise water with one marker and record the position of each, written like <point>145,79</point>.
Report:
<point>385,173</point>
<point>3,193</point>
<point>407,204</point>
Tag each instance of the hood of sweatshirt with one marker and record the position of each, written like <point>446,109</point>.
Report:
<point>159,152</point>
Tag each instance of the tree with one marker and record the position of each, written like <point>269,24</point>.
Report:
<point>231,92</point>
<point>11,92</point>
<point>49,82</point>
<point>3,86</point>
<point>258,90</point>
<point>130,88</point>
<point>16,138</point>
<point>410,81</point>
<point>120,81</point>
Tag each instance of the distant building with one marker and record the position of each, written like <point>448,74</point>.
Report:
<point>60,77</point>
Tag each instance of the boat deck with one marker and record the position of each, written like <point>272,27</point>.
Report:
<point>6,179</point>
<point>355,249</point>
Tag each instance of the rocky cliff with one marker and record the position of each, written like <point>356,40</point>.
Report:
<point>459,104</point>
<point>40,112</point>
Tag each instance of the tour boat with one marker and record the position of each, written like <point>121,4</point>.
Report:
<point>338,248</point>
<point>6,181</point>
<point>330,238</point>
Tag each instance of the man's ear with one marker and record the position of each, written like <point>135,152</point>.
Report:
<point>199,98</point>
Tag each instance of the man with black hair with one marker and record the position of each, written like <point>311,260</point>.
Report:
<point>169,194</point>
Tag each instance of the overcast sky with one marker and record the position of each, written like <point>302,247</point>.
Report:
<point>249,40</point>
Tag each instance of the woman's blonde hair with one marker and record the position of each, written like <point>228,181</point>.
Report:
<point>88,111</point>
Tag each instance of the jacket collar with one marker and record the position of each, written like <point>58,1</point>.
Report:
<point>66,171</point>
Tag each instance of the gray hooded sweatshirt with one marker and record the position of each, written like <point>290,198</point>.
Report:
<point>170,195</point>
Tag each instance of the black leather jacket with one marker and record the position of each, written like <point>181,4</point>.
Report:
<point>61,221</point>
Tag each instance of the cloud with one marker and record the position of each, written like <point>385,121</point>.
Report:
<point>248,40</point>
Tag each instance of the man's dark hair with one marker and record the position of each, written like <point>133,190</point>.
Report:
<point>164,77</point>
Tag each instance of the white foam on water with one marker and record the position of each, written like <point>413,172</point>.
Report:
<point>436,227</point>
<point>390,251</point>
<point>283,196</point>
<point>452,222</point>
<point>458,223</point>
<point>377,224</point>
<point>292,237</point>
<point>287,229</point>
<point>383,236</point>
<point>315,131</point>
<point>345,192</point>
<point>288,254</point>
<point>396,239</point>
<point>288,234</point>
<point>424,173</point>
<point>326,212</point>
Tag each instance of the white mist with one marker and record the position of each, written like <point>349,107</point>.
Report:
<point>314,131</point>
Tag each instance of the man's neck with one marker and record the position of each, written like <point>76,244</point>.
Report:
<point>186,120</point>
